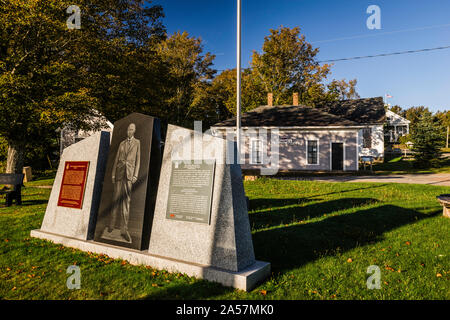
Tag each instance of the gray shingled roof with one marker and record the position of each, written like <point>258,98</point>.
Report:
<point>337,113</point>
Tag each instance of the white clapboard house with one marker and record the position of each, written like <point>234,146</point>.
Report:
<point>328,137</point>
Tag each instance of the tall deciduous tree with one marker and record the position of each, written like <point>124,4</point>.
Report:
<point>287,64</point>
<point>51,75</point>
<point>188,74</point>
<point>444,118</point>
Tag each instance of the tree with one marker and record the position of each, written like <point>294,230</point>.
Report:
<point>427,139</point>
<point>397,110</point>
<point>51,75</point>
<point>342,90</point>
<point>225,93</point>
<point>288,64</point>
<point>444,118</point>
<point>188,73</point>
<point>414,114</point>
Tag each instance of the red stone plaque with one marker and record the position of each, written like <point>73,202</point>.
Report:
<point>73,183</point>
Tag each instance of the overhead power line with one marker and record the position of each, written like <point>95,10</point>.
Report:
<point>386,54</point>
<point>378,55</point>
<point>361,36</point>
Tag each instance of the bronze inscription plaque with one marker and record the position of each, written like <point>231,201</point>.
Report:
<point>190,191</point>
<point>73,184</point>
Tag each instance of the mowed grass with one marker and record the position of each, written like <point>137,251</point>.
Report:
<point>319,237</point>
<point>399,165</point>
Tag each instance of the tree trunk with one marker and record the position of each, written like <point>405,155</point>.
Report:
<point>16,155</point>
<point>448,129</point>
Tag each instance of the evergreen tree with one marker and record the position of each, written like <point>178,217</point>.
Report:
<point>428,141</point>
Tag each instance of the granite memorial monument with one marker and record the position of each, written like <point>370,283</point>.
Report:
<point>130,184</point>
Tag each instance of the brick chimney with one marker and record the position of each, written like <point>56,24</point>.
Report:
<point>270,99</point>
<point>295,99</point>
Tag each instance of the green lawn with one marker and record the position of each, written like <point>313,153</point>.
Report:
<point>319,237</point>
<point>399,165</point>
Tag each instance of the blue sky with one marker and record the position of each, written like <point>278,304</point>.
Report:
<point>412,79</point>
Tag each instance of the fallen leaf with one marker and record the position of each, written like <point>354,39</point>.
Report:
<point>154,284</point>
<point>123,263</point>
<point>263,292</point>
<point>408,243</point>
<point>389,268</point>
<point>14,288</point>
<point>438,275</point>
<point>349,260</point>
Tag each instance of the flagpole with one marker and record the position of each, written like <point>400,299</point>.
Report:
<point>238,76</point>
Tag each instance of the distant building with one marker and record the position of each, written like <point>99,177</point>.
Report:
<point>331,136</point>
<point>396,127</point>
<point>70,135</point>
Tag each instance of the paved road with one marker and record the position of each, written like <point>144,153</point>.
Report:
<point>436,179</point>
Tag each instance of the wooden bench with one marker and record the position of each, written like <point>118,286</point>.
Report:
<point>15,180</point>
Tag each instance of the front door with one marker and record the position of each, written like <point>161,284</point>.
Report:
<point>337,156</point>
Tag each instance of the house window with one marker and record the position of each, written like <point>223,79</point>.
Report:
<point>367,138</point>
<point>401,131</point>
<point>256,152</point>
<point>313,154</point>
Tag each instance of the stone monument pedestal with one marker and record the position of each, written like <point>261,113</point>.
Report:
<point>195,221</point>
<point>67,220</point>
<point>245,279</point>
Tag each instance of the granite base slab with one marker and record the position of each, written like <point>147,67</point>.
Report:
<point>246,279</point>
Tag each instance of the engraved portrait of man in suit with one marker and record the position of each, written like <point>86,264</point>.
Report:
<point>124,174</point>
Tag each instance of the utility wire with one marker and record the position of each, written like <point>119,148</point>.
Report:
<point>380,34</point>
<point>386,54</point>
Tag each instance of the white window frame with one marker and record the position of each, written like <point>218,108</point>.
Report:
<point>370,138</point>
<point>259,150</point>
<point>318,152</point>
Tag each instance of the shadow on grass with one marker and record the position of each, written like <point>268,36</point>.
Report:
<point>258,204</point>
<point>197,290</point>
<point>274,217</point>
<point>34,202</point>
<point>293,246</point>
<point>373,186</point>
<point>25,203</point>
